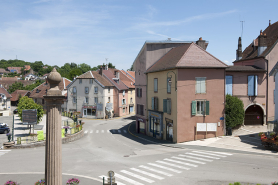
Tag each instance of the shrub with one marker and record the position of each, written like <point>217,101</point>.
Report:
<point>10,183</point>
<point>260,134</point>
<point>40,182</point>
<point>73,181</point>
<point>234,110</point>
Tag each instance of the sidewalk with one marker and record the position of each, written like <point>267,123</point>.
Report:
<point>243,140</point>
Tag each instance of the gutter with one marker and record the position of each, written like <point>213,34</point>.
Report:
<point>267,90</point>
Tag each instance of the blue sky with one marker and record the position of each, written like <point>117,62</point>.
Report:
<point>89,31</point>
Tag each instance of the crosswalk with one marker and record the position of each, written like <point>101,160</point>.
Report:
<point>161,169</point>
<point>113,131</point>
<point>3,152</point>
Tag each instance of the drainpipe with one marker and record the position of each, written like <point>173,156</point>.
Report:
<point>267,91</point>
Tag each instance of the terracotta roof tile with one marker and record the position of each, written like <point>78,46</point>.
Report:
<point>132,74</point>
<point>4,91</point>
<point>271,38</point>
<point>109,74</point>
<point>16,93</point>
<point>86,75</point>
<point>244,69</point>
<point>127,79</point>
<point>188,55</point>
<point>102,79</point>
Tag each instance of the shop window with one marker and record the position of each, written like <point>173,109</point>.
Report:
<point>253,85</point>
<point>200,107</point>
<point>200,85</point>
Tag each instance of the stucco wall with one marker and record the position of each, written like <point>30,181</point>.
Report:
<point>131,94</point>
<point>162,94</point>
<point>215,94</point>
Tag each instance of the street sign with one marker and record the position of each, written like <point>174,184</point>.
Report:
<point>99,107</point>
<point>29,116</point>
<point>221,118</point>
<point>109,106</point>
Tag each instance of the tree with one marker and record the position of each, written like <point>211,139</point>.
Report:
<point>131,68</point>
<point>110,65</point>
<point>28,103</point>
<point>15,86</point>
<point>84,67</point>
<point>234,111</point>
<point>36,66</point>
<point>73,73</point>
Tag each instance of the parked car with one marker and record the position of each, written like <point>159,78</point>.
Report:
<point>4,129</point>
<point>4,124</point>
<point>15,111</point>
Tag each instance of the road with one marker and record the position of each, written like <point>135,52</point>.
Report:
<point>107,145</point>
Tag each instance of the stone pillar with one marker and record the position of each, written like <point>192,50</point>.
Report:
<point>53,147</point>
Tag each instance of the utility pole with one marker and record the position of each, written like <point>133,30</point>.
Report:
<point>242,28</point>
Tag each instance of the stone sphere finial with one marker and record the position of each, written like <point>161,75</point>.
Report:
<point>54,78</point>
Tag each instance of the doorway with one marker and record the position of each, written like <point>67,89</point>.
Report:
<point>253,115</point>
<point>84,113</point>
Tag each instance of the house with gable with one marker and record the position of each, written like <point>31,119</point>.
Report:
<point>185,86</point>
<point>91,94</point>
<point>17,94</point>
<point>5,102</point>
<point>249,78</point>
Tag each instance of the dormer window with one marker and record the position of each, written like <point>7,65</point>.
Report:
<point>37,91</point>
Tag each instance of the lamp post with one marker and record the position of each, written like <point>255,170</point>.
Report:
<point>170,82</point>
<point>72,92</point>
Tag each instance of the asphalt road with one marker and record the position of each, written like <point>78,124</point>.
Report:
<point>107,145</point>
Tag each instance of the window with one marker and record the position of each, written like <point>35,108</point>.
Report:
<point>131,101</point>
<point>74,90</point>
<point>131,92</point>
<point>86,100</point>
<point>123,93</point>
<point>108,99</point>
<point>96,90</point>
<point>123,102</point>
<point>36,100</point>
<point>253,85</point>
<point>86,90</point>
<point>96,100</point>
<point>154,103</point>
<point>200,85</point>
<point>229,85</point>
<point>74,99</point>
<point>200,107</point>
<point>108,89</point>
<point>167,106</point>
<point>168,85</point>
<point>123,110</point>
<point>91,81</point>
<point>140,109</point>
<point>155,85</point>
<point>80,81</point>
<point>42,101</point>
<point>139,92</point>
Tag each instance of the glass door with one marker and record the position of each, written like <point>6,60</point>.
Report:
<point>84,112</point>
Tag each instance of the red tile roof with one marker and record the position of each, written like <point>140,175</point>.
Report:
<point>244,69</point>
<point>188,55</point>
<point>18,69</point>
<point>109,74</point>
<point>132,74</point>
<point>271,39</point>
<point>127,79</point>
<point>16,93</point>
<point>4,91</point>
<point>8,81</point>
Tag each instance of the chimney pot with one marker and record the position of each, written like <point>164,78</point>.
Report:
<point>200,38</point>
<point>261,32</point>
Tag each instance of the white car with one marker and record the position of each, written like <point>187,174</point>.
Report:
<point>4,124</point>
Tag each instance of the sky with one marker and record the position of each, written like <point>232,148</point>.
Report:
<point>101,31</point>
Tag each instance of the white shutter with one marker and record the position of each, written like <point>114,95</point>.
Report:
<point>250,85</point>
<point>198,85</point>
<point>256,85</point>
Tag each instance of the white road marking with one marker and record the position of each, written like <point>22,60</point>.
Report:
<point>147,173</point>
<point>127,179</point>
<point>157,171</point>
<point>5,150</point>
<point>97,132</point>
<point>175,161</point>
<point>191,157</point>
<point>91,131</point>
<point>119,131</point>
<point>202,155</point>
<point>102,131</point>
<point>105,178</point>
<point>86,132</point>
<point>137,176</point>
<point>170,164</point>
<point>108,131</point>
<point>165,168</point>
<point>209,154</point>
<point>223,153</point>
<point>190,160</point>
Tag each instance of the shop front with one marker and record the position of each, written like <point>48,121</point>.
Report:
<point>89,111</point>
<point>141,125</point>
<point>156,124</point>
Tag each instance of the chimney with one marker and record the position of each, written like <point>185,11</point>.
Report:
<point>239,50</point>
<point>106,67</point>
<point>100,71</point>
<point>201,43</point>
<point>261,43</point>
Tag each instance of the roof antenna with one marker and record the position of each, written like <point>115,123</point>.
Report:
<point>242,28</point>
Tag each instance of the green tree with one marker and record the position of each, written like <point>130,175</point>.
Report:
<point>84,67</point>
<point>28,103</point>
<point>234,111</point>
<point>110,65</point>
<point>131,68</point>
<point>36,66</point>
<point>15,86</point>
<point>73,73</point>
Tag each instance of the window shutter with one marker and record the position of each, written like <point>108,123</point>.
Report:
<point>207,107</point>
<point>193,108</point>
<point>198,85</point>
<point>203,85</point>
<point>152,103</point>
<point>274,96</point>
<point>251,86</point>
<point>256,85</point>
<point>142,110</point>
<point>137,109</point>
<point>140,92</point>
<point>156,103</point>
<point>229,85</point>
<point>164,105</point>
<point>122,101</point>
<point>169,106</point>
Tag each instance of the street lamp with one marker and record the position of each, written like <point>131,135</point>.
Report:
<point>170,81</point>
<point>74,91</point>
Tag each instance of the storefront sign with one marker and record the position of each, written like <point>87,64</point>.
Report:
<point>90,107</point>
